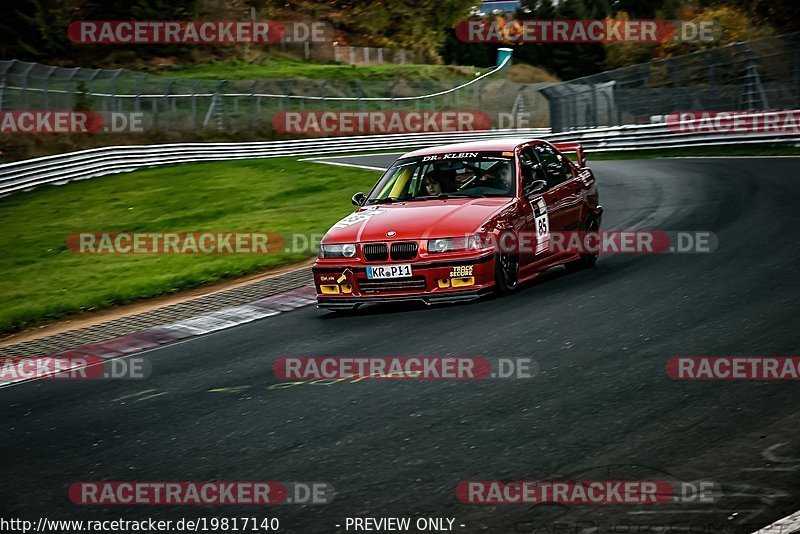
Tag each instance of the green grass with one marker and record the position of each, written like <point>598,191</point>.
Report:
<point>284,68</point>
<point>41,279</point>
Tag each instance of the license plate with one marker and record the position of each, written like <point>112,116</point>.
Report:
<point>400,270</point>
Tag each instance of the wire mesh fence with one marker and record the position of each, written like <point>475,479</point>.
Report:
<point>230,106</point>
<point>762,74</point>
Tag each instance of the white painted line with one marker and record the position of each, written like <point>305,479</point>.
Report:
<point>352,156</point>
<point>151,396</point>
<point>338,164</point>
<point>786,525</point>
<point>202,325</point>
<point>145,392</point>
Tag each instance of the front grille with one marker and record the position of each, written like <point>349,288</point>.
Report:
<point>392,284</point>
<point>404,250</point>
<point>375,252</point>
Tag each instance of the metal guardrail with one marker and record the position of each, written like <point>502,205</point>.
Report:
<point>62,168</point>
<point>660,136</point>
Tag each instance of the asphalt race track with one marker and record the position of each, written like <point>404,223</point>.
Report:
<point>600,407</point>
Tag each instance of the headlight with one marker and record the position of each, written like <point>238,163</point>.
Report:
<point>347,250</point>
<point>456,244</point>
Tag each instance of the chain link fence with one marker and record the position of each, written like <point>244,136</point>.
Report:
<point>762,74</point>
<point>187,104</point>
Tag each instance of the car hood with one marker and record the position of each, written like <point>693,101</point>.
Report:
<point>425,219</point>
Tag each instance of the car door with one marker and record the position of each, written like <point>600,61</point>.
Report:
<point>534,246</point>
<point>563,193</point>
<point>563,196</point>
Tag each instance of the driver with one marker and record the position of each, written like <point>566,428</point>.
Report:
<point>505,178</point>
<point>502,177</point>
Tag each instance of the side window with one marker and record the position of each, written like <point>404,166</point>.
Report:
<point>529,167</point>
<point>553,164</point>
<point>565,167</point>
<point>416,188</point>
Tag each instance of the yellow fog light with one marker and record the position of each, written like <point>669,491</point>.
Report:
<point>329,289</point>
<point>347,288</point>
<point>462,281</point>
<point>443,282</point>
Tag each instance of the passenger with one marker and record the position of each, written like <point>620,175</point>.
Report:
<point>431,184</point>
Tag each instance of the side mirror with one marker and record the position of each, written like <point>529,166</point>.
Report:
<point>359,199</point>
<point>535,187</point>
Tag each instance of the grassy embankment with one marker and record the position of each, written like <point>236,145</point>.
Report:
<point>42,280</point>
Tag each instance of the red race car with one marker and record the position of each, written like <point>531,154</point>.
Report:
<point>456,222</point>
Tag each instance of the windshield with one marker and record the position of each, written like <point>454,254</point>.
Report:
<point>464,174</point>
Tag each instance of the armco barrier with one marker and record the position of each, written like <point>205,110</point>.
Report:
<point>62,168</point>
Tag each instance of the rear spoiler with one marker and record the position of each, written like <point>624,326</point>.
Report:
<point>572,147</point>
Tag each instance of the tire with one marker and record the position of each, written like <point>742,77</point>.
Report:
<point>506,272</point>
<point>589,259</point>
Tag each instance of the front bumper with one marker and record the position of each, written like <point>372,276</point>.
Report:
<point>344,284</point>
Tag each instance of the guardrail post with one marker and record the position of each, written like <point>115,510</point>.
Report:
<point>796,78</point>
<point>167,98</point>
<point>46,92</point>
<point>255,104</point>
<point>138,100</point>
<point>219,108</point>
<point>114,89</point>
<point>71,96</point>
<point>6,66</point>
<point>195,85</point>
<point>753,90</point>
<point>25,74</point>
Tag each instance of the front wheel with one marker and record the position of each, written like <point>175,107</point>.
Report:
<point>506,272</point>
<point>588,259</point>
